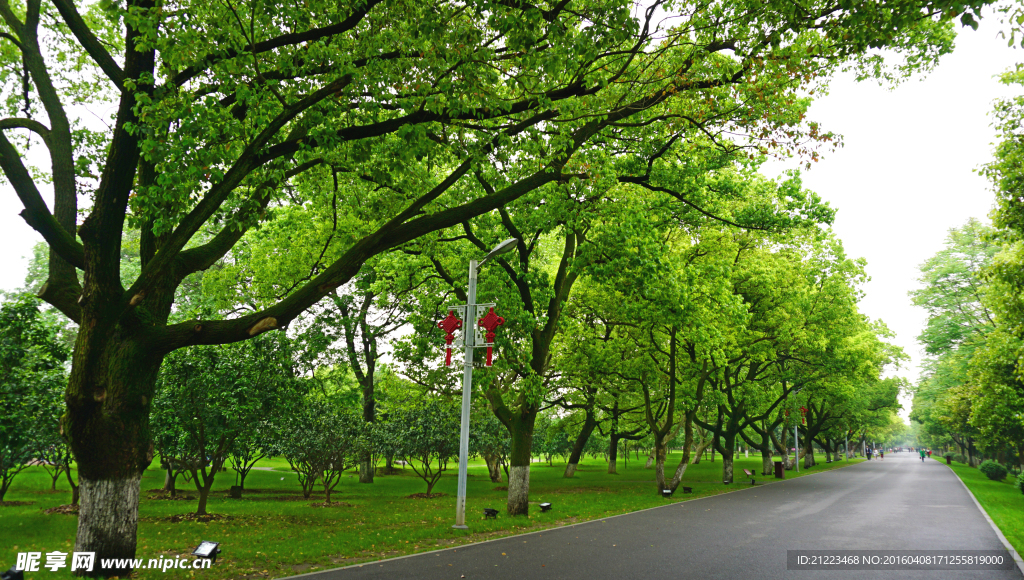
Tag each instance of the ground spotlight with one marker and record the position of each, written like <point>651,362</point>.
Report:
<point>207,551</point>
<point>545,506</point>
<point>13,574</point>
<point>490,513</point>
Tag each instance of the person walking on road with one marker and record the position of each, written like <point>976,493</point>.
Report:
<point>881,454</point>
<point>921,452</point>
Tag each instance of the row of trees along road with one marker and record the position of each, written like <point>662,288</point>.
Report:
<point>971,393</point>
<point>354,130</point>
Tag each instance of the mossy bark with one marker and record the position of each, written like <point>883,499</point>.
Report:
<point>107,423</point>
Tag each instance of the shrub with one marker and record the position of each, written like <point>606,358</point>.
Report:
<point>993,470</point>
<point>1020,482</point>
<point>949,454</point>
<point>959,458</point>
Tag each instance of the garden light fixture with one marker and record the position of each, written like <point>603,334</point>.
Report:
<point>546,506</point>
<point>490,513</point>
<point>207,551</point>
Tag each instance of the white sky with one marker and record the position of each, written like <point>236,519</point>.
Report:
<point>904,177</point>
<point>906,173</point>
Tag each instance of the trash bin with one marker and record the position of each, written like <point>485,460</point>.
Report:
<point>780,473</point>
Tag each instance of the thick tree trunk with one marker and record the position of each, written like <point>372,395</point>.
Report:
<point>589,424</point>
<point>366,469</point>
<point>728,450</point>
<point>518,503</point>
<point>493,468</point>
<point>204,495</point>
<point>613,455</point>
<point>659,456</point>
<point>108,519</point>
<point>107,423</point>
<point>766,461</point>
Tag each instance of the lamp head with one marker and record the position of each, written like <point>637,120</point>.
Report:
<point>502,248</point>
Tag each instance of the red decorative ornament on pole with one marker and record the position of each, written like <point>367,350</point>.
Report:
<point>803,415</point>
<point>449,325</point>
<point>489,323</point>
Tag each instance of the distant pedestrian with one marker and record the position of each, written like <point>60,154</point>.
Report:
<point>868,453</point>
<point>929,453</point>
<point>881,454</point>
<point>921,452</point>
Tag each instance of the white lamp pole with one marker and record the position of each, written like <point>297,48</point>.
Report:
<point>467,376</point>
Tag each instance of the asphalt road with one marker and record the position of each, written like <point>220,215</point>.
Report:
<point>896,504</point>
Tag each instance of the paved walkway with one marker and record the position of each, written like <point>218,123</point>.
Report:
<point>896,504</point>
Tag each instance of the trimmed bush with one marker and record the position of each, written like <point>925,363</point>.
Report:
<point>993,470</point>
<point>959,458</point>
<point>949,454</point>
<point>1020,482</point>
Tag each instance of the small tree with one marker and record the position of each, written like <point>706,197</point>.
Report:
<point>209,397</point>
<point>489,439</point>
<point>31,371</point>
<point>320,442</point>
<point>250,446</point>
<point>427,435</point>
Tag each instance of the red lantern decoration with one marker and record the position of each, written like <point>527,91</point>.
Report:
<point>449,325</point>
<point>490,322</point>
<point>803,413</point>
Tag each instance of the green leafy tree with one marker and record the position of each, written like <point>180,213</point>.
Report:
<point>320,442</point>
<point>210,397</point>
<point>31,373</point>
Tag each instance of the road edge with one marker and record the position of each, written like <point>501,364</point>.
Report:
<point>657,507</point>
<point>995,528</point>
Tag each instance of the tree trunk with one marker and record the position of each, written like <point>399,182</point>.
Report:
<point>74,487</point>
<point>204,494</point>
<point>369,416</point>
<point>493,468</point>
<point>169,479</point>
<point>766,461</point>
<point>518,503</point>
<point>727,451</point>
<point>108,519</point>
<point>107,423</point>
<point>589,424</point>
<point>613,455</point>
<point>659,455</point>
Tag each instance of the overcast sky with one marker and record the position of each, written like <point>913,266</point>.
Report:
<point>904,177</point>
<point>907,171</point>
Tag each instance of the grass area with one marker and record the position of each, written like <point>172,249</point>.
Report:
<point>273,532</point>
<point>1001,499</point>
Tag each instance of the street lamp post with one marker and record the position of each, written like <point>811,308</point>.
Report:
<point>467,376</point>
<point>796,447</point>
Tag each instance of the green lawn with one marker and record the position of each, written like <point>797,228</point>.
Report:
<point>1001,499</point>
<point>273,532</point>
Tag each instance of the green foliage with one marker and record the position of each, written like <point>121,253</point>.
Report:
<point>425,435</point>
<point>32,379</point>
<point>320,442</point>
<point>993,470</point>
<point>216,402</point>
<point>1020,482</point>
